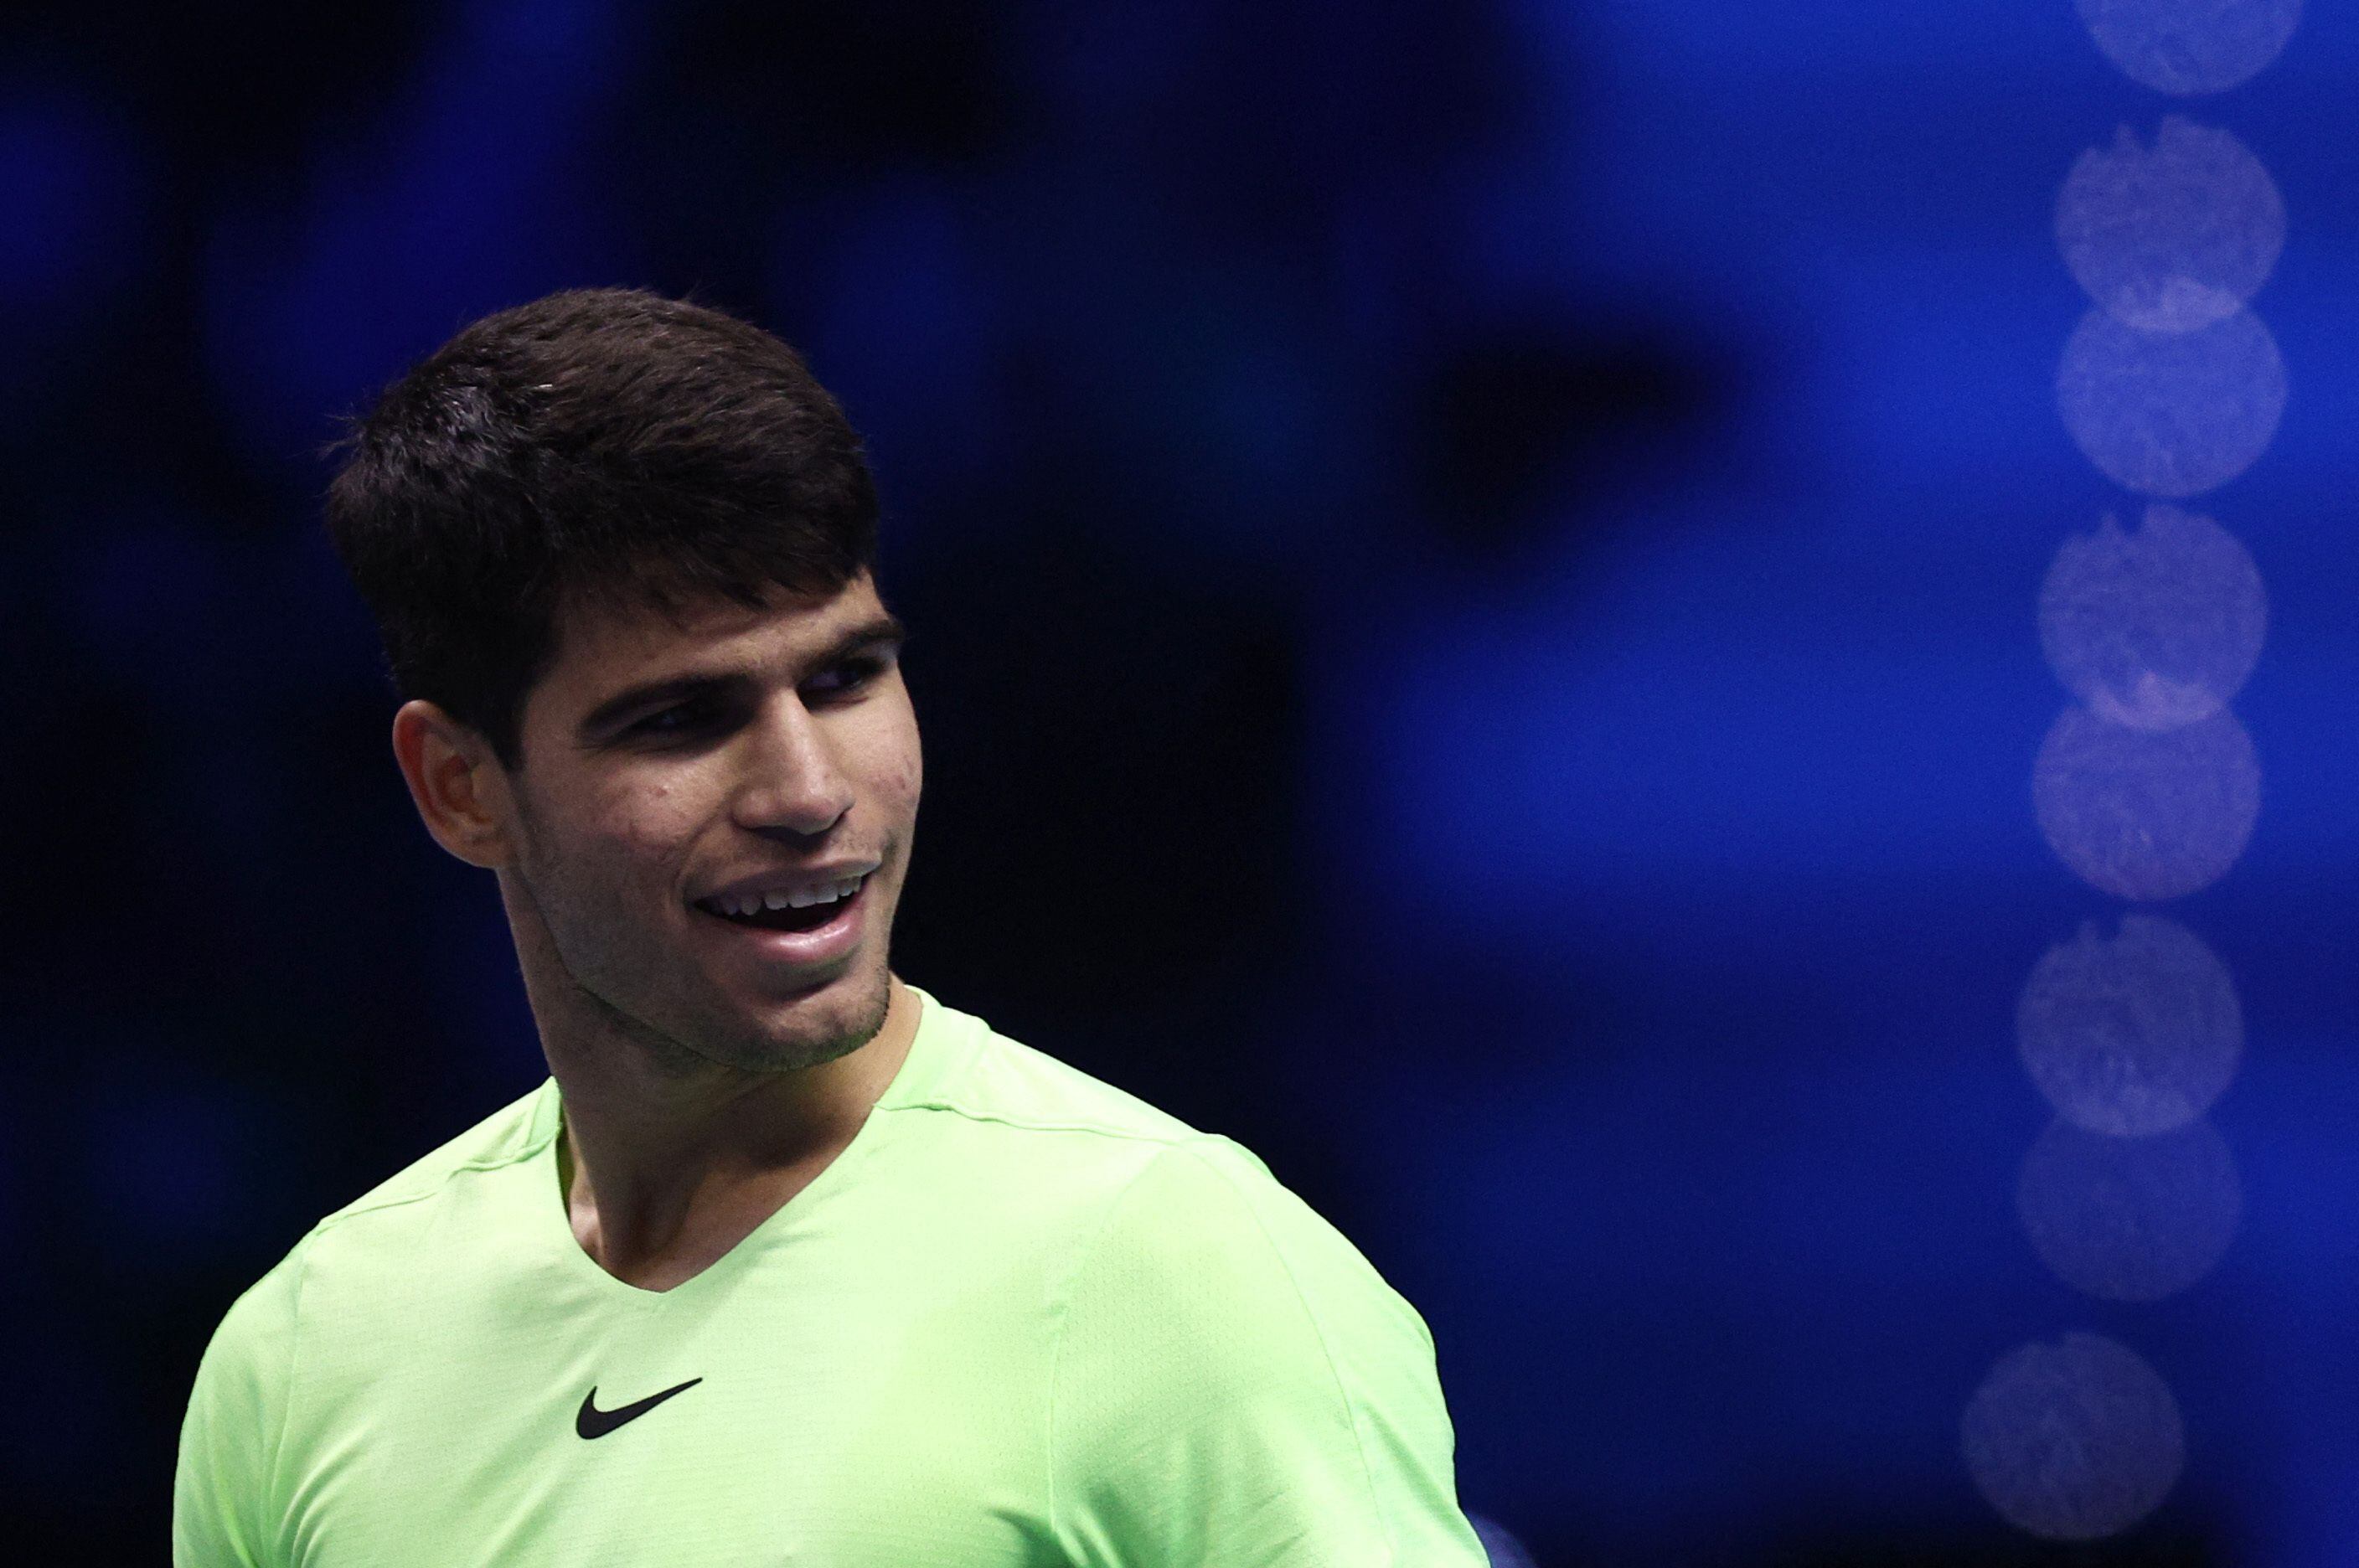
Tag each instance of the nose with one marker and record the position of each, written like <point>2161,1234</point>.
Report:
<point>791,779</point>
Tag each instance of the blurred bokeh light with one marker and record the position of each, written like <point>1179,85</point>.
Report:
<point>2075,1440</point>
<point>2157,627</point>
<point>2130,1034</point>
<point>2171,413</point>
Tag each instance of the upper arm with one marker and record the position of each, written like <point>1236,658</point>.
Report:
<point>224,1512</point>
<point>1235,1383</point>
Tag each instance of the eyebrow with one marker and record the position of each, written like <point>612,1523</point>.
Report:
<point>880,632</point>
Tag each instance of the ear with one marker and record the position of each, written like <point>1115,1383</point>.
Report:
<point>461,790</point>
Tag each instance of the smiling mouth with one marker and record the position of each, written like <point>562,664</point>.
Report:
<point>809,917</point>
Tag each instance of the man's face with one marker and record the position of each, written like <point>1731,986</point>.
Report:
<point>799,755</point>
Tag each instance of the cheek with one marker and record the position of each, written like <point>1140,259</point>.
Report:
<point>643,824</point>
<point>898,764</point>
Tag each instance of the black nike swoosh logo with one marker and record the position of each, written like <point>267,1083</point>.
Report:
<point>593,1423</point>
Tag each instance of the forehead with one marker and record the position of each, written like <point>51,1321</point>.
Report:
<point>601,645</point>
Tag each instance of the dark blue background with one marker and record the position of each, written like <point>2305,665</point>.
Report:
<point>1474,569</point>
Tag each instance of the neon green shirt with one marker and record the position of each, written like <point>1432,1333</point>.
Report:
<point>1024,1319</point>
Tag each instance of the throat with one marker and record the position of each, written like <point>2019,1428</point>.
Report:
<point>662,1254</point>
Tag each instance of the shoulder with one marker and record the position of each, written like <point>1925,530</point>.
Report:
<point>1204,1220</point>
<point>401,1203</point>
<point>1232,1377</point>
<point>506,1136</point>
<point>986,1077</point>
<point>1138,1191</point>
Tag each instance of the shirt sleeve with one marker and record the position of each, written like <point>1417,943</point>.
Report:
<point>224,1512</point>
<point>1233,1382</point>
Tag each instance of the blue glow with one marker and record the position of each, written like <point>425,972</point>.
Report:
<point>472,199</point>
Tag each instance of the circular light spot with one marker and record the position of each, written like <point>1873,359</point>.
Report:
<point>2172,239</point>
<point>2131,1036</point>
<point>2074,1440</point>
<point>2191,46</point>
<point>2157,628</point>
<point>2146,815</point>
<point>2129,1219</point>
<point>2171,413</point>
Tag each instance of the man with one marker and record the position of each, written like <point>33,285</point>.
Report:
<point>787,1261</point>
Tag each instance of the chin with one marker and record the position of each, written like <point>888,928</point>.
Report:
<point>848,1011</point>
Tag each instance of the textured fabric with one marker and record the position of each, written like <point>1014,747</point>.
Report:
<point>1024,1319</point>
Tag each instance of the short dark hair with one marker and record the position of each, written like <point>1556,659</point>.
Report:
<point>598,447</point>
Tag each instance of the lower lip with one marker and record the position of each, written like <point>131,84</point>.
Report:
<point>820,945</point>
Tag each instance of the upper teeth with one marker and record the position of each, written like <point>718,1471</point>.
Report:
<point>779,899</point>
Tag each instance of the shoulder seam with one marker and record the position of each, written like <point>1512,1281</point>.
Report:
<point>1130,1134</point>
<point>360,1206</point>
<point>494,1162</point>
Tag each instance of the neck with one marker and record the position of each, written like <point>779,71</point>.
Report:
<point>665,1171</point>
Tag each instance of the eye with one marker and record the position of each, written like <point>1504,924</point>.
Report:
<point>857,672</point>
<point>689,714</point>
<point>687,718</point>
